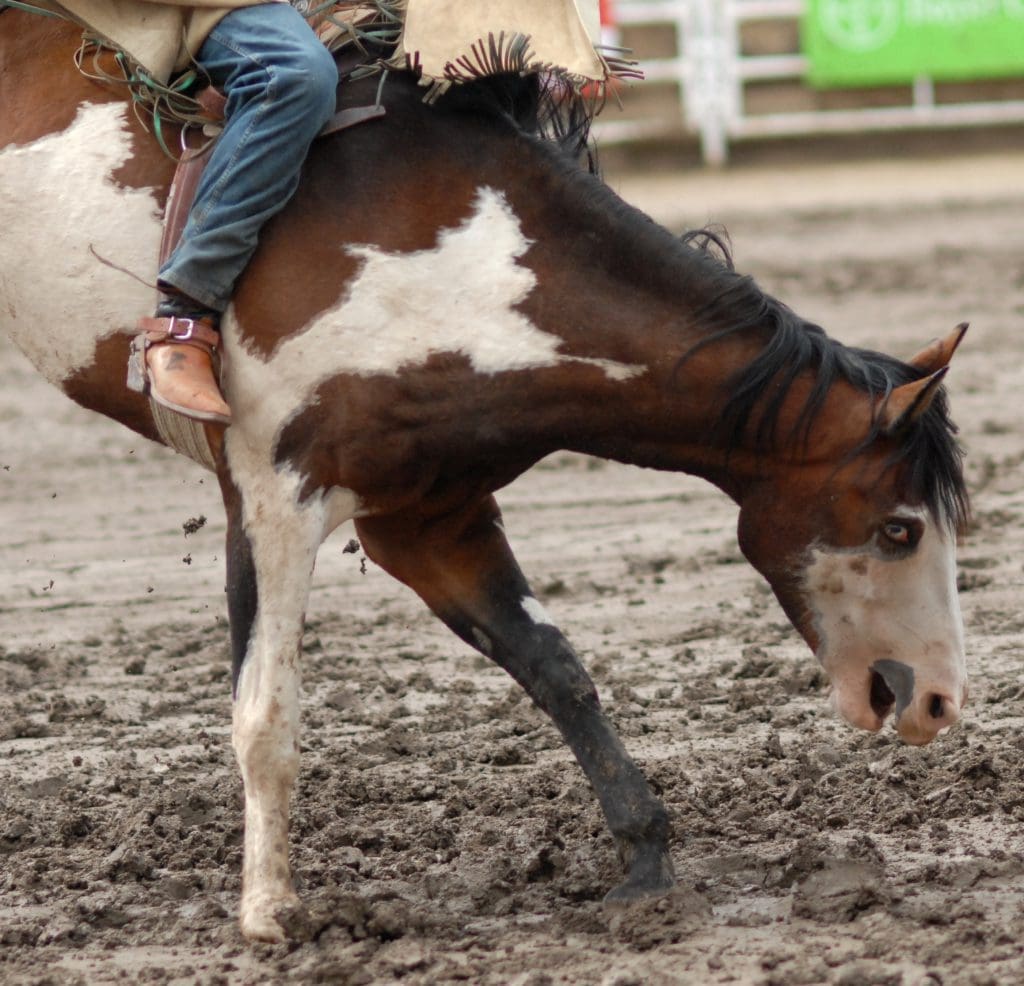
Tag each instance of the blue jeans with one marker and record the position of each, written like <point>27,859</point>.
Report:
<point>280,84</point>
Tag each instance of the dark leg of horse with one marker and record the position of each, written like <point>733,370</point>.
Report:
<point>463,568</point>
<point>243,597</point>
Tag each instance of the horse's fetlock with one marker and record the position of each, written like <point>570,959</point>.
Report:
<point>648,824</point>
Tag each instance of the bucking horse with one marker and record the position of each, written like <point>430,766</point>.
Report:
<point>450,297</point>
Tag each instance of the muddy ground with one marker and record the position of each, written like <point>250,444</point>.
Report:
<point>441,832</point>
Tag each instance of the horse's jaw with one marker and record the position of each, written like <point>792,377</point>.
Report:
<point>890,635</point>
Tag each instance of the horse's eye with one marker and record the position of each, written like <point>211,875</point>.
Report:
<point>902,533</point>
<point>897,533</point>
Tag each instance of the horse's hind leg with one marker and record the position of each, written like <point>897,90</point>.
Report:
<point>464,570</point>
<point>271,549</point>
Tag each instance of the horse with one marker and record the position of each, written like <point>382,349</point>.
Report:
<point>449,298</point>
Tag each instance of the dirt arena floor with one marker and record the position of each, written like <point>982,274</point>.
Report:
<point>441,832</point>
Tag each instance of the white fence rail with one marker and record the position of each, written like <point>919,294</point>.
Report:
<point>712,76</point>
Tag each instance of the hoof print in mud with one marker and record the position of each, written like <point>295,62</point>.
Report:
<point>842,890</point>
<point>671,917</point>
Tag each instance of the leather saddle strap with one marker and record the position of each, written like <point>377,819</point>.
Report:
<point>179,201</point>
<point>351,117</point>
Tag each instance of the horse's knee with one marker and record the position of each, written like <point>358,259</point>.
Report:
<point>265,741</point>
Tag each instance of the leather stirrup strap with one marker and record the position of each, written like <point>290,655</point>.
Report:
<point>196,331</point>
<point>179,201</point>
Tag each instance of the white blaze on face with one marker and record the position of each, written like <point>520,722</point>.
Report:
<point>870,606</point>
<point>78,253</point>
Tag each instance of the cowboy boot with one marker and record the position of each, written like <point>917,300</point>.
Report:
<point>178,357</point>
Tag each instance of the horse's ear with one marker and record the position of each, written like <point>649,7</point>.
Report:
<point>938,354</point>
<point>906,404</point>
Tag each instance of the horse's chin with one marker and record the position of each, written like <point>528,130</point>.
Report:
<point>864,700</point>
<point>857,710</point>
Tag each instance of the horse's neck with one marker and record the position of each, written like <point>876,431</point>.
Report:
<point>654,410</point>
<point>640,381</point>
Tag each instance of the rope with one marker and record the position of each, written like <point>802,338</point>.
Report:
<point>28,8</point>
<point>159,107</point>
<point>156,105</point>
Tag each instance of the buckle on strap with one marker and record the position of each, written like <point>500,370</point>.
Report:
<point>179,329</point>
<point>172,328</point>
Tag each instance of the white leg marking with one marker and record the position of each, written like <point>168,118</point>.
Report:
<point>266,712</point>
<point>284,537</point>
<point>536,611</point>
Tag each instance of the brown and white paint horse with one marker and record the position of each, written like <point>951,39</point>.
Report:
<point>447,300</point>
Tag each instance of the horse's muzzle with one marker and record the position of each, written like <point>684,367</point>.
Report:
<point>921,712</point>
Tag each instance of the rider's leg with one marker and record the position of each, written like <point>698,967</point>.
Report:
<point>280,83</point>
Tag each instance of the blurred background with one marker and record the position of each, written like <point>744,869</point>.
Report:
<point>726,80</point>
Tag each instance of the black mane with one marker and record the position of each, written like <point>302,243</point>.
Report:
<point>928,449</point>
<point>727,303</point>
<point>541,108</point>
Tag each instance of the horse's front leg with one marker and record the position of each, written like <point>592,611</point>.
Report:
<point>271,548</point>
<point>464,570</point>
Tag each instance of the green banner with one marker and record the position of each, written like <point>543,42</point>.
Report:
<point>873,42</point>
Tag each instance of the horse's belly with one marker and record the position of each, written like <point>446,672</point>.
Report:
<point>78,250</point>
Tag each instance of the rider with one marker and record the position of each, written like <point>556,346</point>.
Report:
<point>280,84</point>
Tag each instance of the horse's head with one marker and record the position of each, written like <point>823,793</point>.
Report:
<point>858,543</point>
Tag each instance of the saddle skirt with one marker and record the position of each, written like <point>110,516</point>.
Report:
<point>452,41</point>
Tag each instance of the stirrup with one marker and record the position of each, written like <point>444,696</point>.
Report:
<point>197,333</point>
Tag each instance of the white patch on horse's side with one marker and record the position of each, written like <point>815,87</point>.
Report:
<point>458,297</point>
<point>869,607</point>
<point>60,289</point>
<point>536,612</point>
<point>402,308</point>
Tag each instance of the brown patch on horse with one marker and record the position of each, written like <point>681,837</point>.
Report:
<point>91,388</point>
<point>40,113</point>
<point>283,289</point>
<point>439,432</point>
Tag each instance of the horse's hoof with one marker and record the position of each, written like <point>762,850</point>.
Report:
<point>629,892</point>
<point>275,920</point>
<point>651,876</point>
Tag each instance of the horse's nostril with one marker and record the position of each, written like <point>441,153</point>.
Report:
<point>881,696</point>
<point>936,707</point>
